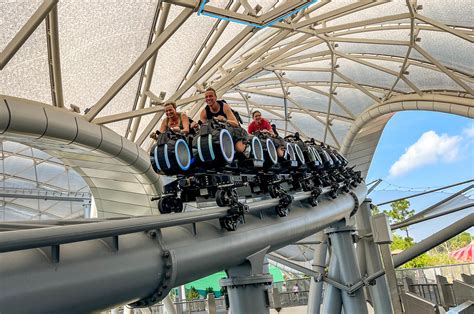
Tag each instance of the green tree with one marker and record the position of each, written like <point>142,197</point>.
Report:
<point>192,294</point>
<point>375,209</point>
<point>399,212</point>
<point>461,240</point>
<point>209,290</point>
<point>431,258</point>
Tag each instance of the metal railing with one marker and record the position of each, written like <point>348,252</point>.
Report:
<point>421,284</point>
<point>428,274</point>
<point>191,306</point>
<point>427,291</point>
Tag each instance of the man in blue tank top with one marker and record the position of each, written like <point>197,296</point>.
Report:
<point>223,113</point>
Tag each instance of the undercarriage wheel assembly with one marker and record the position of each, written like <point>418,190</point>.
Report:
<point>334,191</point>
<point>306,185</point>
<point>273,190</point>
<point>314,199</point>
<point>281,211</point>
<point>225,197</point>
<point>221,198</point>
<point>354,183</point>
<point>229,223</point>
<point>170,204</point>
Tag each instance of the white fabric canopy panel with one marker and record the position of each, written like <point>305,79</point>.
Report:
<point>356,54</point>
<point>27,172</point>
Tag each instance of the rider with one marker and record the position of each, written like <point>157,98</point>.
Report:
<point>259,124</point>
<point>222,112</point>
<point>174,121</point>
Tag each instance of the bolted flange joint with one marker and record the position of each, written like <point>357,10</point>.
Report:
<point>165,284</point>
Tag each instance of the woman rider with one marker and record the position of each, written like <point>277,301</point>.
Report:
<point>174,121</point>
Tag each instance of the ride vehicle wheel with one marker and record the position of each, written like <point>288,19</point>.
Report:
<point>306,185</point>
<point>221,198</point>
<point>165,205</point>
<point>281,211</point>
<point>228,223</point>
<point>273,191</point>
<point>178,205</point>
<point>313,201</point>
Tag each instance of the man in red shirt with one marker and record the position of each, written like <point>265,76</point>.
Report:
<point>259,124</point>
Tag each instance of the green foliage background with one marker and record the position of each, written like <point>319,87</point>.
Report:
<point>400,211</point>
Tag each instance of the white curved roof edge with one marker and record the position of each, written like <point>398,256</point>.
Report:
<point>362,139</point>
<point>117,170</point>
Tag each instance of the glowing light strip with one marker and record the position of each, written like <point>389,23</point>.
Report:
<point>202,12</point>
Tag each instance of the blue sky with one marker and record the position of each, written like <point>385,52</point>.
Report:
<point>422,150</point>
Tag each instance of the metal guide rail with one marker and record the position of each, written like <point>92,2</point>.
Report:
<point>208,168</point>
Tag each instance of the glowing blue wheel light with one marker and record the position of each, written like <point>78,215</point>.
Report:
<point>182,154</point>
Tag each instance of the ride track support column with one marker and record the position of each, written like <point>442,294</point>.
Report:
<point>382,235</point>
<point>319,263</point>
<point>342,245</point>
<point>371,261</point>
<point>248,293</point>
<point>332,296</point>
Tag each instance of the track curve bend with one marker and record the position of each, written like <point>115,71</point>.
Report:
<point>117,170</point>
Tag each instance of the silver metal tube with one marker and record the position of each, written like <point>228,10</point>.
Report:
<point>53,37</point>
<point>315,298</point>
<point>373,263</point>
<point>343,246</point>
<point>89,276</point>
<point>135,270</point>
<point>332,296</point>
<point>432,216</point>
<point>426,192</point>
<point>25,239</point>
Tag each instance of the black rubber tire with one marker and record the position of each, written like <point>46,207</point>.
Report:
<point>221,198</point>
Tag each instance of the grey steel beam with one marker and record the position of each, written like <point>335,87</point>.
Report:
<point>145,266</point>
<point>375,184</point>
<point>352,25</point>
<point>441,202</point>
<point>332,302</point>
<point>52,38</point>
<point>151,35</point>
<point>426,192</point>
<point>324,123</point>
<point>342,246</point>
<point>235,43</point>
<point>445,28</point>
<point>443,69</point>
<point>443,213</point>
<point>368,253</point>
<point>413,33</point>
<point>127,115</point>
<point>25,240</point>
<point>334,13</point>
<point>351,117</point>
<point>45,197</point>
<point>208,44</point>
<point>357,86</point>
<point>315,295</point>
<point>150,68</point>
<point>138,64</point>
<point>26,31</point>
<point>331,91</point>
<point>285,101</point>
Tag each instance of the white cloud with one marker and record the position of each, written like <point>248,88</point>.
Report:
<point>469,131</point>
<point>429,149</point>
